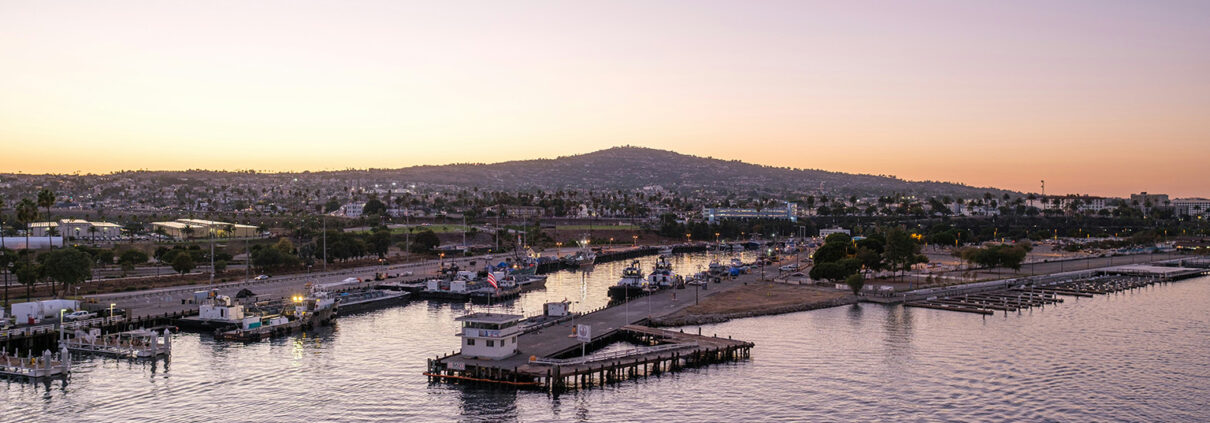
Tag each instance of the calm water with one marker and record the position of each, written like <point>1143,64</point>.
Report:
<point>1141,356</point>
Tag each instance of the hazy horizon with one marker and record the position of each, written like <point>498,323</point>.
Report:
<point>1096,97</point>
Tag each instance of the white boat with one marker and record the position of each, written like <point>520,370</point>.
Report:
<point>666,251</point>
<point>632,283</point>
<point>662,275</point>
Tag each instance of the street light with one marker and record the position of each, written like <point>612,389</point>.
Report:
<point>636,240</point>
<point>110,319</point>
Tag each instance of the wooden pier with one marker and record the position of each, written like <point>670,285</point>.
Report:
<point>551,358</point>
<point>658,351</point>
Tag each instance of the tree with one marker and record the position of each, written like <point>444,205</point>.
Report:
<point>69,266</point>
<point>27,212</point>
<point>425,242</point>
<point>855,282</point>
<point>902,252</point>
<point>375,207</point>
<point>27,272</point>
<point>220,266</point>
<point>379,242</point>
<point>132,229</point>
<point>7,259</point>
<point>46,198</point>
<point>182,263</point>
<point>131,258</point>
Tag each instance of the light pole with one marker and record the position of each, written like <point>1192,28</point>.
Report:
<point>110,319</point>
<point>636,241</point>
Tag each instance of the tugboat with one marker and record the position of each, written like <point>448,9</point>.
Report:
<point>632,283</point>
<point>662,275</point>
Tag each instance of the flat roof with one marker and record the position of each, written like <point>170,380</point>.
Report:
<point>490,317</point>
<point>105,224</point>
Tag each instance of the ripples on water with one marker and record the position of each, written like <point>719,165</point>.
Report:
<point>1139,356</point>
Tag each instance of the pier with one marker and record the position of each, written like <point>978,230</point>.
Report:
<point>553,358</point>
<point>31,367</point>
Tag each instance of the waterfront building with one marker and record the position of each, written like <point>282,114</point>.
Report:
<point>789,212</point>
<point>491,336</point>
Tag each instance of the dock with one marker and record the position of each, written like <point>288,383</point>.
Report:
<point>142,343</point>
<point>32,367</point>
<point>1028,294</point>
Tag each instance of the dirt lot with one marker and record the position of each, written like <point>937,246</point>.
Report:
<point>755,299</point>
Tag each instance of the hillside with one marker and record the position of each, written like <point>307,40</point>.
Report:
<point>634,167</point>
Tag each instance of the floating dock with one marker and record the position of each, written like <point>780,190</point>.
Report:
<point>46,365</point>
<point>142,343</point>
<point>1025,295</point>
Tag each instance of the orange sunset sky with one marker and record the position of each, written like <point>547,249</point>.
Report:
<point>1099,97</point>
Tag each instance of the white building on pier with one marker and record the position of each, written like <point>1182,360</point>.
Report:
<point>491,336</point>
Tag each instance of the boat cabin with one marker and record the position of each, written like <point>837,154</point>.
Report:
<point>490,336</point>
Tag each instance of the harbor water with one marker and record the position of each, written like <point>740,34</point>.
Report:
<point>1132,356</point>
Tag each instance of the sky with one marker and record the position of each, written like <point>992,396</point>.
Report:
<point>1098,97</point>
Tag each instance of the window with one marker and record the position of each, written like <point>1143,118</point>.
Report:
<point>470,341</point>
<point>491,343</point>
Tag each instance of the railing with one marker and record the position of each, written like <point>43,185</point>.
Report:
<point>612,355</point>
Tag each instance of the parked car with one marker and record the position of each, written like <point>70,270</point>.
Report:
<point>78,315</point>
<point>261,277</point>
<point>789,267</point>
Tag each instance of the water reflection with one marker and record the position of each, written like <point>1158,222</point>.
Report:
<point>1138,356</point>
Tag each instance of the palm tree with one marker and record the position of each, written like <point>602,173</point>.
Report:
<point>46,198</point>
<point>27,212</point>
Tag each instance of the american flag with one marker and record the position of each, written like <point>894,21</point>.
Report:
<point>491,278</point>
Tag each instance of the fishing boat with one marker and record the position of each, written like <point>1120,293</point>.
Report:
<point>662,274</point>
<point>632,283</point>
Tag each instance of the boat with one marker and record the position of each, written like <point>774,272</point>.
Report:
<point>506,288</point>
<point>717,268</point>
<point>368,299</point>
<point>632,283</point>
<point>531,282</point>
<point>581,259</point>
<point>662,275</point>
<point>457,287</point>
<point>215,312</point>
<point>666,251</point>
<point>307,312</point>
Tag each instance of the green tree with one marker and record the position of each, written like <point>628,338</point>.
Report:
<point>374,207</point>
<point>69,266</point>
<point>220,266</point>
<point>902,252</point>
<point>183,263</point>
<point>855,282</point>
<point>131,258</point>
<point>27,272</point>
<point>27,212</point>
<point>8,258</point>
<point>379,242</point>
<point>425,242</point>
